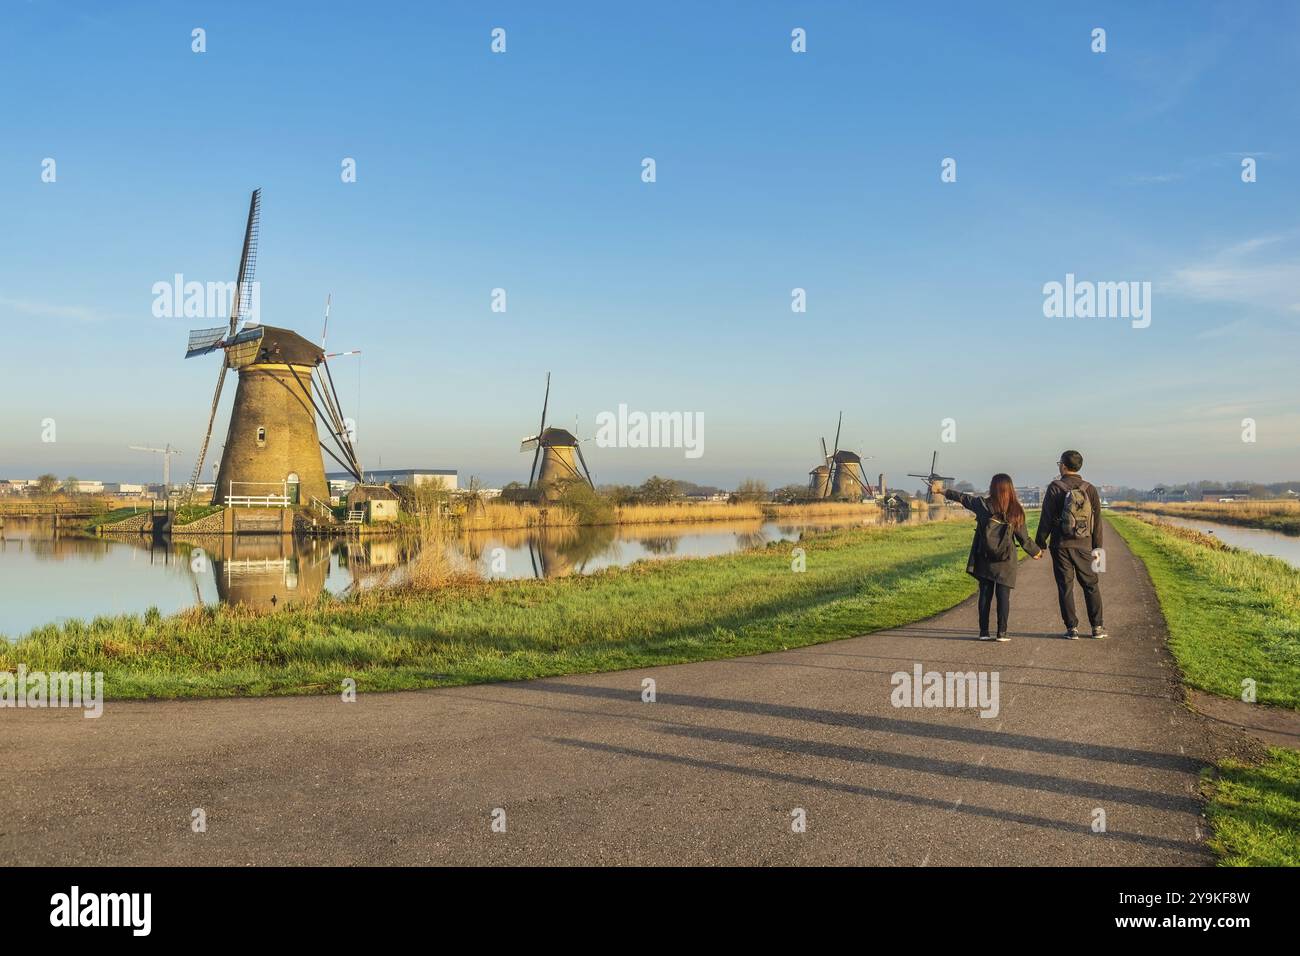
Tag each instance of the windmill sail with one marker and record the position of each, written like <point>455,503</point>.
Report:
<point>202,341</point>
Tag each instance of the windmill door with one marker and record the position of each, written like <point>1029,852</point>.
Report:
<point>291,487</point>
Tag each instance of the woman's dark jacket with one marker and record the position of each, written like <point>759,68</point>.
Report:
<point>978,564</point>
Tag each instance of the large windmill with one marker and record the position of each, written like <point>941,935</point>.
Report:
<point>558,453</point>
<point>931,478</point>
<point>272,450</point>
<point>841,476</point>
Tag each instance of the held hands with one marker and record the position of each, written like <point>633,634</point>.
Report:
<point>1038,556</point>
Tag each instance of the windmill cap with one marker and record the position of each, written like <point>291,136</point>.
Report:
<point>287,347</point>
<point>558,436</point>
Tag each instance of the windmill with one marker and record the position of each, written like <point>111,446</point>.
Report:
<point>931,478</point>
<point>272,450</point>
<point>557,451</point>
<point>167,454</point>
<point>819,479</point>
<point>841,476</point>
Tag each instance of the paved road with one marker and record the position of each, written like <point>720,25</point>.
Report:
<point>709,773</point>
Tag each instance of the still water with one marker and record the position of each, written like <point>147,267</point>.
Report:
<point>49,578</point>
<point>1275,543</point>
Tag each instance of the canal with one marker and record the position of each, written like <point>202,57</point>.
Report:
<point>48,576</point>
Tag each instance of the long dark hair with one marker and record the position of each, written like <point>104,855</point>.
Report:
<point>1003,501</point>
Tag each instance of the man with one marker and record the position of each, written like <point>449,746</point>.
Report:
<point>1071,522</point>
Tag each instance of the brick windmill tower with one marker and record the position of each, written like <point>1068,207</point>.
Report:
<point>272,456</point>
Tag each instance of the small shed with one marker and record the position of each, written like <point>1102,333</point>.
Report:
<point>379,502</point>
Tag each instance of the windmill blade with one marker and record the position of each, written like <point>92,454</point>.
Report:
<point>203,341</point>
<point>585,469</point>
<point>207,437</point>
<point>325,331</point>
<point>837,432</point>
<point>247,264</point>
<point>530,444</point>
<point>533,471</point>
<point>545,401</point>
<point>934,463</point>
<point>825,456</point>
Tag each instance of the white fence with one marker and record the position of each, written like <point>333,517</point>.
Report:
<point>268,499</point>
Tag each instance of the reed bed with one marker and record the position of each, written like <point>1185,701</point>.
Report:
<point>509,516</point>
<point>812,511</point>
<point>1281,515</point>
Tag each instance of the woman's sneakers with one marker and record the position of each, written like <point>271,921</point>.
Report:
<point>1099,633</point>
<point>1072,634</point>
<point>985,637</point>
<point>1002,638</point>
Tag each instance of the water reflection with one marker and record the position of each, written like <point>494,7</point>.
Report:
<point>1260,540</point>
<point>48,576</point>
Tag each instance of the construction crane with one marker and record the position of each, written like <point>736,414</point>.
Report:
<point>167,454</point>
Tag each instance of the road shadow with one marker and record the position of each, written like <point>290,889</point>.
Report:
<point>1189,847</point>
<point>887,725</point>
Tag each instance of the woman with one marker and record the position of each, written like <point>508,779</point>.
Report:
<point>999,527</point>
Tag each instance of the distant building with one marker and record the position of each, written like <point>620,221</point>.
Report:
<point>444,478</point>
<point>1031,496</point>
<point>124,489</point>
<point>1222,494</point>
<point>88,487</point>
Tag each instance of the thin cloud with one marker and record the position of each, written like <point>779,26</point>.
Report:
<point>1263,271</point>
<point>48,310</point>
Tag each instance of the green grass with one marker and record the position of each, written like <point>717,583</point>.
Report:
<point>857,580</point>
<point>109,517</point>
<point>1255,811</point>
<point>188,514</point>
<point>1232,614</point>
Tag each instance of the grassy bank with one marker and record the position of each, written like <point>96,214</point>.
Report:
<point>1281,516</point>
<point>856,580</point>
<point>1232,614</point>
<point>1255,811</point>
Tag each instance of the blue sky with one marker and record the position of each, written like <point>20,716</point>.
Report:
<point>775,170</point>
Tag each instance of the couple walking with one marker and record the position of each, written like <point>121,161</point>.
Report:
<point>1069,527</point>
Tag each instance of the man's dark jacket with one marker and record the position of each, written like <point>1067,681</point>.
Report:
<point>1049,520</point>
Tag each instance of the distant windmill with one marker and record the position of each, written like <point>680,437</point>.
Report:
<point>284,385</point>
<point>557,451</point>
<point>167,454</point>
<point>931,478</point>
<point>841,476</point>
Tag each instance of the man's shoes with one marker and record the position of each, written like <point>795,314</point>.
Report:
<point>985,637</point>
<point>1002,638</point>
<point>1072,634</point>
<point>1099,633</point>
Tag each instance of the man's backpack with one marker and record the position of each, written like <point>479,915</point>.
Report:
<point>1076,516</point>
<point>996,541</point>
